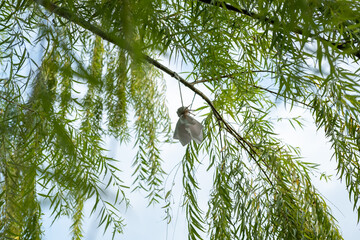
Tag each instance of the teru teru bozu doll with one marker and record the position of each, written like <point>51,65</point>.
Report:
<point>187,128</point>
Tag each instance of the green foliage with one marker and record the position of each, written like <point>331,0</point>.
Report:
<point>73,72</point>
<point>151,124</point>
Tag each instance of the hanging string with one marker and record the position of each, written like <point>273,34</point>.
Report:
<point>192,100</point>
<point>181,97</point>
<point>222,148</point>
<point>182,102</point>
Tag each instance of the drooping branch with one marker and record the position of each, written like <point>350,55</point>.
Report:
<point>67,14</point>
<point>249,148</point>
<point>296,30</point>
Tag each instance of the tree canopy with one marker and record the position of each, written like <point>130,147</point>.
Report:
<point>74,72</point>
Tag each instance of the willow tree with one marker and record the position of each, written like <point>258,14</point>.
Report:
<point>75,72</point>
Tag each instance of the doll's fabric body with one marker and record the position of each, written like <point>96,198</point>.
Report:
<point>187,128</point>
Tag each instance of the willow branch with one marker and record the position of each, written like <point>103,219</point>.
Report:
<point>65,13</point>
<point>265,19</point>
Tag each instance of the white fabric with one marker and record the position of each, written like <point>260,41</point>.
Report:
<point>187,128</point>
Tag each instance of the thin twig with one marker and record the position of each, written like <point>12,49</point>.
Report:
<point>231,76</point>
<point>255,86</point>
<point>210,79</point>
<point>17,104</point>
<point>277,94</point>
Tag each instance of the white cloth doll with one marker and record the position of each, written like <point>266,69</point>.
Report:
<point>187,128</point>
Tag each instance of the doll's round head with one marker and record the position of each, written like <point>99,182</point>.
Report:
<point>182,110</point>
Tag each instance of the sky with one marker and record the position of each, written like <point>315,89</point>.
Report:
<point>316,149</point>
<point>145,222</point>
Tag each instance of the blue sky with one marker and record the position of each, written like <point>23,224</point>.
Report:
<point>146,222</point>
